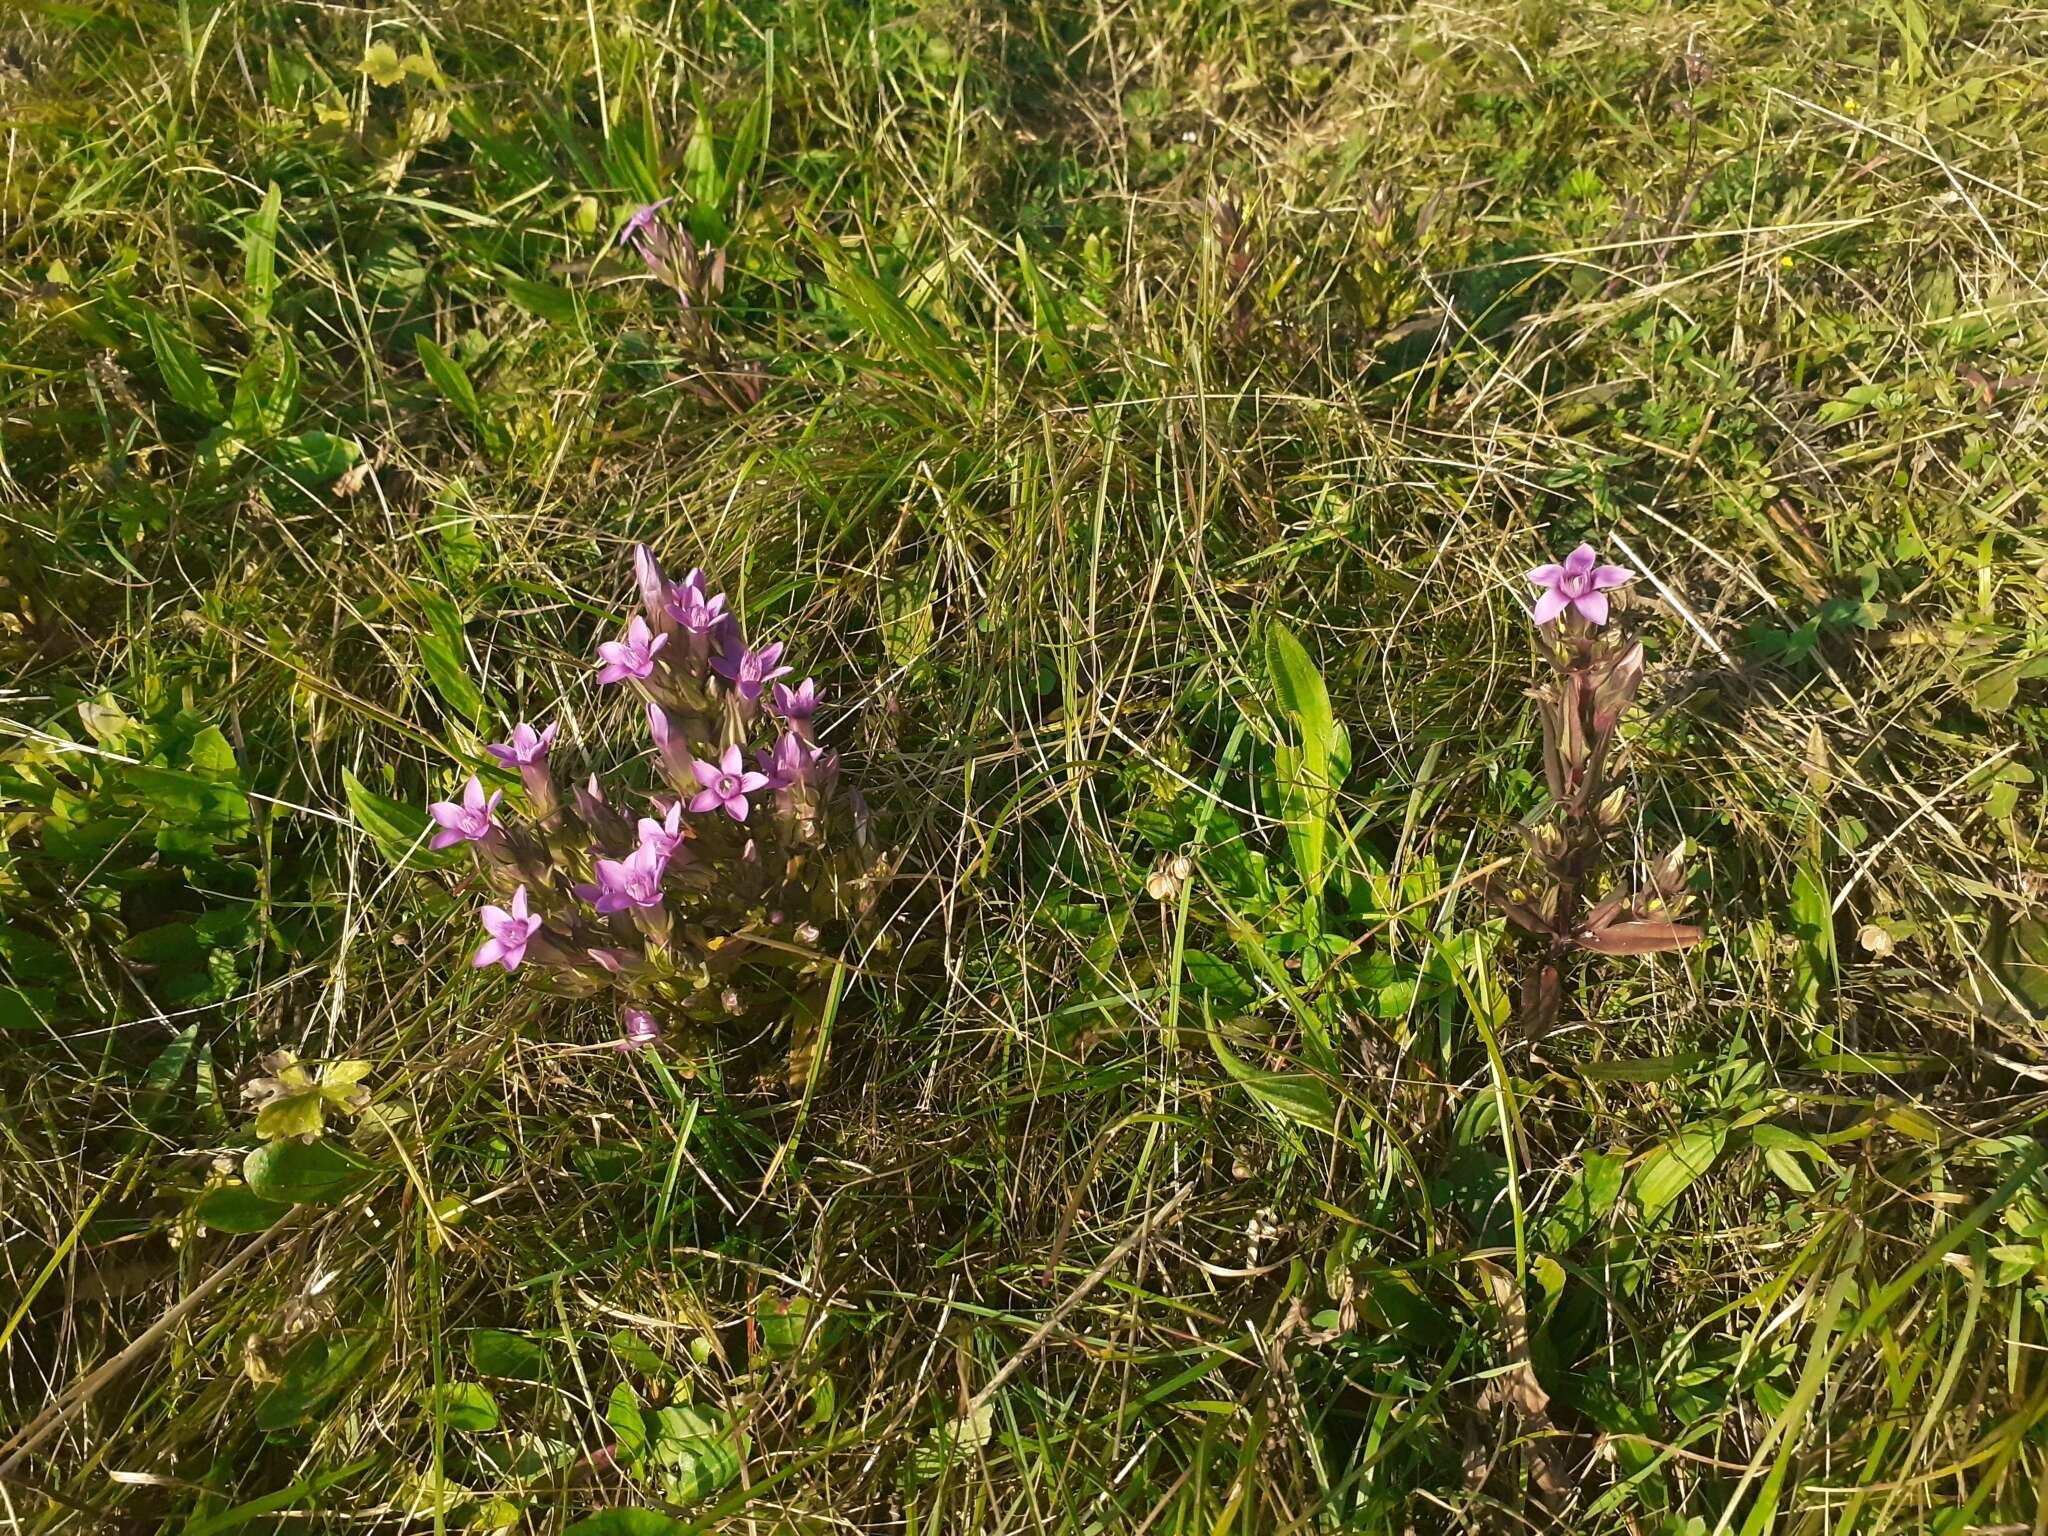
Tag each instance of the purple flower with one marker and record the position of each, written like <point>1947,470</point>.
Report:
<point>639,1030</point>
<point>509,934</point>
<point>632,657</point>
<point>526,748</point>
<point>789,762</point>
<point>645,233</point>
<point>797,705</point>
<point>471,821</point>
<point>692,608</point>
<point>751,671</point>
<point>634,881</point>
<point>1581,583</point>
<point>727,783</point>
<point>665,837</point>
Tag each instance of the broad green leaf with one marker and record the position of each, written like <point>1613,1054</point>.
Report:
<point>463,1405</point>
<point>303,1172</point>
<point>1298,1096</point>
<point>1790,1170</point>
<point>294,1114</point>
<point>319,1369</point>
<point>1673,1167</point>
<point>543,301</point>
<point>1307,780</point>
<point>513,1356</point>
<point>784,1322</point>
<point>179,365</point>
<point>622,1413</point>
<point>450,378</point>
<point>1586,1200</point>
<point>237,1208</point>
<point>400,831</point>
<point>694,1468</point>
<point>259,257</point>
<point>312,461</point>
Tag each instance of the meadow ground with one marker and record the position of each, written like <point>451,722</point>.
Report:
<point>1067,359</point>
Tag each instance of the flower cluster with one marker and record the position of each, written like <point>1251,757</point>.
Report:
<point>1595,675</point>
<point>725,888</point>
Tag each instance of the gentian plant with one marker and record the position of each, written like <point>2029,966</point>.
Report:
<point>696,274</point>
<point>1595,673</point>
<point>721,892</point>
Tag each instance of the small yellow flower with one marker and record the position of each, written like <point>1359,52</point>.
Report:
<point>1851,106</point>
<point>1785,260</point>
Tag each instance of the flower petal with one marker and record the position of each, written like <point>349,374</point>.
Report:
<point>1545,575</point>
<point>488,953</point>
<point>1611,576</point>
<point>1549,606</point>
<point>447,837</point>
<point>707,773</point>
<point>736,807</point>
<point>1592,607</point>
<point>751,781</point>
<point>704,800</point>
<point>1581,560</point>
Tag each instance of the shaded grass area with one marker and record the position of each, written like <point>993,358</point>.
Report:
<point>1098,343</point>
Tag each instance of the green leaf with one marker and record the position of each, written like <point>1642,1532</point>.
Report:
<point>544,301</point>
<point>1673,1167</point>
<point>319,1369</point>
<point>179,365</point>
<point>259,257</point>
<point>1790,1170</point>
<point>784,1323</point>
<point>444,653</point>
<point>1298,1096</point>
<point>1307,783</point>
<point>513,1356</point>
<point>622,1413</point>
<point>237,1208</point>
<point>400,831</point>
<point>313,460</point>
<point>702,184</point>
<point>292,1114</point>
<point>304,1172</point>
<point>626,1522</point>
<point>450,378</point>
<point>1586,1200</point>
<point>267,388</point>
<point>463,1405</point>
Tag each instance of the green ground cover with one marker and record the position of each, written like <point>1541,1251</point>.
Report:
<point>1071,364</point>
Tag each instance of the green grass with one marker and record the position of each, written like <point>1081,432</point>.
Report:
<point>1100,345</point>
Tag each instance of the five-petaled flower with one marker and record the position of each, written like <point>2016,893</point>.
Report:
<point>526,748</point>
<point>510,932</point>
<point>632,657</point>
<point>1581,583</point>
<point>750,671</point>
<point>797,706</point>
<point>690,606</point>
<point>639,1030</point>
<point>471,821</point>
<point>727,783</point>
<point>634,881</point>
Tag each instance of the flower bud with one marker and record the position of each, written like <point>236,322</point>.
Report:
<point>1612,810</point>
